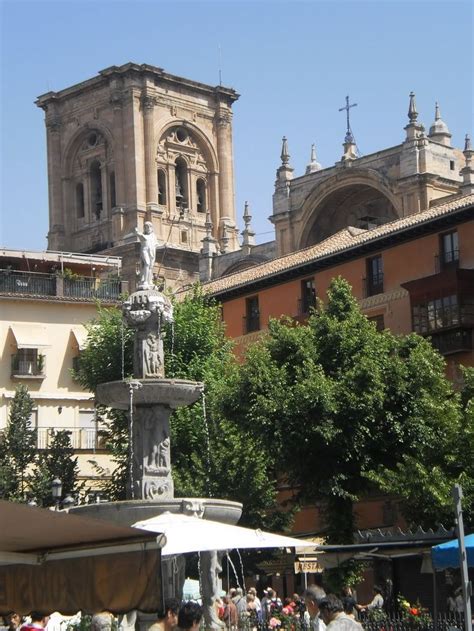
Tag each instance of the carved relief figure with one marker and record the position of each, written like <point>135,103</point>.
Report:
<point>151,352</point>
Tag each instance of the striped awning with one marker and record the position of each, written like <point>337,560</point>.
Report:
<point>30,335</point>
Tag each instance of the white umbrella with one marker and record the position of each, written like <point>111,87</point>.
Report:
<point>191,534</point>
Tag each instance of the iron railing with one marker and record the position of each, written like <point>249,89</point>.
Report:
<point>27,283</point>
<point>446,260</point>
<point>251,323</point>
<point>81,438</point>
<point>39,284</point>
<point>373,285</point>
<point>92,288</point>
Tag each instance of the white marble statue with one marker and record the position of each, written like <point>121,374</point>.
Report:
<point>148,243</point>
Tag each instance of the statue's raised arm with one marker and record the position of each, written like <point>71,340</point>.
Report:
<point>148,243</point>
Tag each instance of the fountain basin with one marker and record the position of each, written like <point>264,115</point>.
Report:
<point>171,393</point>
<point>128,512</point>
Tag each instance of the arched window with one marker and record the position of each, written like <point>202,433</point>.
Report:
<point>181,183</point>
<point>113,198</point>
<point>96,189</point>
<point>161,187</point>
<point>80,200</point>
<point>201,196</point>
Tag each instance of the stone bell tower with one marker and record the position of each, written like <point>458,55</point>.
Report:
<point>137,144</point>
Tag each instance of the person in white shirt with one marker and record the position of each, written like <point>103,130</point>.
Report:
<point>312,597</point>
<point>335,619</point>
<point>376,602</point>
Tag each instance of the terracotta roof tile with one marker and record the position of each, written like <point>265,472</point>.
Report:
<point>342,240</point>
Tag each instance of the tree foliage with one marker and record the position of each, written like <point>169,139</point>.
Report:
<point>18,447</point>
<point>345,407</point>
<point>56,462</point>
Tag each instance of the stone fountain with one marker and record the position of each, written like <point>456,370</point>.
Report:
<point>150,399</point>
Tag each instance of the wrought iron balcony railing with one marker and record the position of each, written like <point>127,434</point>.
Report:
<point>39,284</point>
<point>87,439</point>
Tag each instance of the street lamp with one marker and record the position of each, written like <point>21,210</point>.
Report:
<point>56,492</point>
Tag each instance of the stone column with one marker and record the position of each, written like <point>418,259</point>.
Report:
<point>116,101</point>
<point>56,218</point>
<point>226,176</point>
<point>151,182</point>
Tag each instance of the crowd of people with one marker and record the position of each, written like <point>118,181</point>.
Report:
<point>314,610</point>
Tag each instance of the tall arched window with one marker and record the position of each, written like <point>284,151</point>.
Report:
<point>201,196</point>
<point>161,187</point>
<point>96,189</point>
<point>80,200</point>
<point>113,197</point>
<point>181,183</point>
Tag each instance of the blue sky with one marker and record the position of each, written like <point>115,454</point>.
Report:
<point>293,62</point>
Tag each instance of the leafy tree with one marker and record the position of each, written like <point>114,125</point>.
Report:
<point>57,462</point>
<point>18,447</point>
<point>340,404</point>
<point>211,455</point>
<point>443,464</point>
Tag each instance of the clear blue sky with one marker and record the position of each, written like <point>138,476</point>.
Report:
<point>293,63</point>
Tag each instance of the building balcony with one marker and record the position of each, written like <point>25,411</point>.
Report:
<point>251,323</point>
<point>80,288</point>
<point>86,439</point>
<point>373,285</point>
<point>446,260</point>
<point>457,340</point>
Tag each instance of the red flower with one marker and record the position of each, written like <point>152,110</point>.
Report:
<point>414,611</point>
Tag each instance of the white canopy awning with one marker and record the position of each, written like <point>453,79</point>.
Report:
<point>80,333</point>
<point>30,335</point>
<point>191,534</point>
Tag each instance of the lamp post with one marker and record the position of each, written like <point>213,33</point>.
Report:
<point>56,492</point>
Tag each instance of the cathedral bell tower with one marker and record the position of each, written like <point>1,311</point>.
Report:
<point>137,144</point>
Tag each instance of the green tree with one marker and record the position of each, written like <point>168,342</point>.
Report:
<point>443,463</point>
<point>338,402</point>
<point>18,447</point>
<point>211,455</point>
<point>57,462</point>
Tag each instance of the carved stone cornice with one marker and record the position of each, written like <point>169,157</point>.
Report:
<point>116,100</point>
<point>53,124</point>
<point>382,299</point>
<point>148,103</point>
<point>223,119</point>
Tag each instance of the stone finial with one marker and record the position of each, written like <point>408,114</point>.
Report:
<point>412,111</point>
<point>285,156</point>
<point>467,171</point>
<point>248,235</point>
<point>467,143</point>
<point>313,164</point>
<point>247,215</point>
<point>208,225</point>
<point>224,239</point>
<point>439,130</point>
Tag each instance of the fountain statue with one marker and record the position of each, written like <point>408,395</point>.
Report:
<point>150,399</point>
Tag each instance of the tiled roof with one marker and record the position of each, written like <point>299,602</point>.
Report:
<point>345,239</point>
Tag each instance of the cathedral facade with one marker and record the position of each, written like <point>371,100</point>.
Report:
<point>365,191</point>
<point>137,144</point>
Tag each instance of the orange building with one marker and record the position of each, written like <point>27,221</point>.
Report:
<point>412,274</point>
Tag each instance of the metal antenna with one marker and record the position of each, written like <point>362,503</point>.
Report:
<point>349,137</point>
<point>220,65</point>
